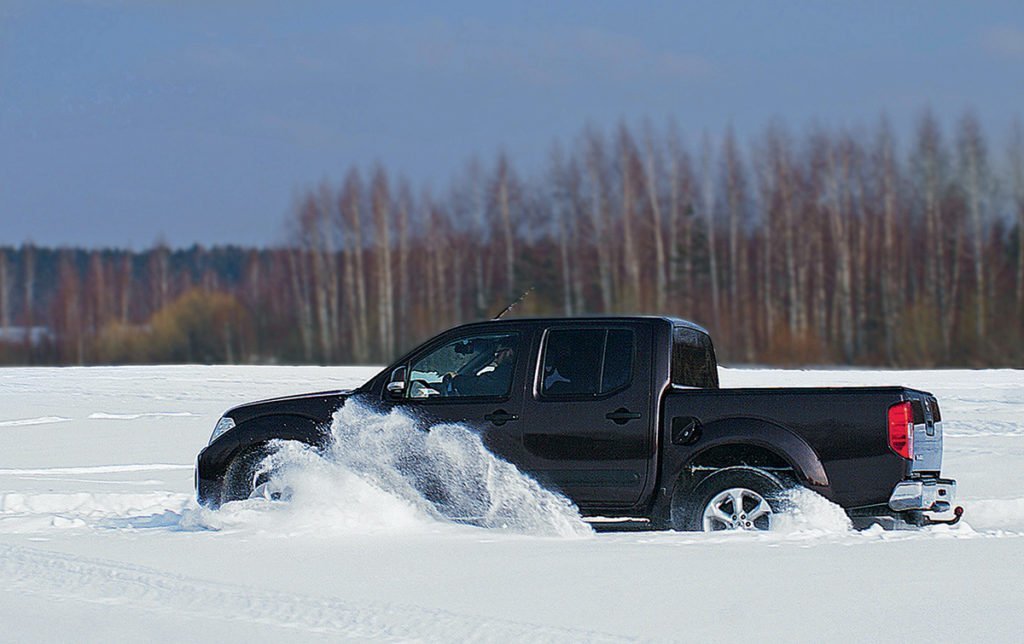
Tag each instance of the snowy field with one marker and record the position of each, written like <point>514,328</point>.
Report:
<point>100,539</point>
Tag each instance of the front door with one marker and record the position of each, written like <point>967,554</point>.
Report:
<point>590,411</point>
<point>474,379</point>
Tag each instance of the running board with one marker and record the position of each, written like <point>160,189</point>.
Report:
<point>609,524</point>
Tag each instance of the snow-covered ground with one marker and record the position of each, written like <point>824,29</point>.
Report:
<point>100,539</point>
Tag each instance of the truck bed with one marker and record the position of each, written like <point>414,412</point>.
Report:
<point>846,427</point>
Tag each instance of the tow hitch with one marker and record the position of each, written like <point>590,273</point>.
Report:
<point>958,512</point>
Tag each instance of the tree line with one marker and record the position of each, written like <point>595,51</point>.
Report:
<point>828,246</point>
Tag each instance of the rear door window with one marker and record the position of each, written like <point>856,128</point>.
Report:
<point>586,363</point>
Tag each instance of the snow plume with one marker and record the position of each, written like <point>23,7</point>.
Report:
<point>809,513</point>
<point>382,471</point>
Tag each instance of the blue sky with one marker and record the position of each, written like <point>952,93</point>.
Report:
<point>200,121</point>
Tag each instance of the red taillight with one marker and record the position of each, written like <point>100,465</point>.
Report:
<point>901,429</point>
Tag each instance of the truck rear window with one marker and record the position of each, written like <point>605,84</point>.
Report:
<point>693,359</point>
<point>586,362</point>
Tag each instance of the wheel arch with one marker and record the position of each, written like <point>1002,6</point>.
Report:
<point>213,461</point>
<point>754,442</point>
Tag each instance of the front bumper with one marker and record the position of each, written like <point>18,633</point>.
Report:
<point>208,488</point>
<point>930,495</point>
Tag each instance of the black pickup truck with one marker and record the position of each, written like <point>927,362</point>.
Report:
<point>625,417</point>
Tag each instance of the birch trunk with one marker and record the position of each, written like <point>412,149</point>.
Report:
<point>735,192</point>
<point>838,177</point>
<point>351,197</point>
<point>504,210</point>
<point>786,190</point>
<point>930,164</point>
<point>890,287</point>
<point>972,155</point>
<point>673,231</point>
<point>708,198</point>
<point>126,288</point>
<point>300,293</point>
<point>1016,155</point>
<point>630,261</point>
<point>5,290</point>
<point>385,293</point>
<point>598,220</point>
<point>28,304</point>
<point>660,281</point>
<point>404,296</point>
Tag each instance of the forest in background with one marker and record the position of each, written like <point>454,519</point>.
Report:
<point>824,247</point>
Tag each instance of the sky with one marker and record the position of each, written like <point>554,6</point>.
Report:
<point>201,121</point>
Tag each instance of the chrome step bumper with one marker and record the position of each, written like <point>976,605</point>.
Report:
<point>932,495</point>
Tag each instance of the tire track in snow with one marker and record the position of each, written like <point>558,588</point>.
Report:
<point>63,576</point>
<point>40,420</point>
<point>147,414</point>
<point>94,469</point>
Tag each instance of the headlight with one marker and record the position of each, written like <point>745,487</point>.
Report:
<point>224,424</point>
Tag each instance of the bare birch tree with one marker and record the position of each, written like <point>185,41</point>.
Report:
<point>890,276</point>
<point>681,208</point>
<point>629,174</point>
<point>562,188</point>
<point>931,168</point>
<point>475,201</point>
<point>598,212</point>
<point>5,293</point>
<point>300,286</point>
<point>651,176</point>
<point>28,301</point>
<point>975,176</point>
<point>1016,165</point>
<point>352,222</point>
<point>708,206</point>
<point>405,294</point>
<point>503,199</point>
<point>736,204</point>
<point>837,164</point>
<point>126,288</point>
<point>385,292</point>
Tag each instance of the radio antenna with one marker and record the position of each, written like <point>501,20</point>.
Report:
<point>513,304</point>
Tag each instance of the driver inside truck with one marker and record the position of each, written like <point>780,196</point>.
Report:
<point>494,378</point>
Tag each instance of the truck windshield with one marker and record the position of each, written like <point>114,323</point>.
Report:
<point>693,359</point>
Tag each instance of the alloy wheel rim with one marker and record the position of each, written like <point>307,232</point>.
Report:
<point>270,488</point>
<point>737,508</point>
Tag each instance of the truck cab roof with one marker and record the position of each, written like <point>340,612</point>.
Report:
<point>597,319</point>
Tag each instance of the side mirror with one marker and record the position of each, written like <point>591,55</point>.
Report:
<point>396,384</point>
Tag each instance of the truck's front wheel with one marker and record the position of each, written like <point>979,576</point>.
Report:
<point>249,475</point>
<point>732,498</point>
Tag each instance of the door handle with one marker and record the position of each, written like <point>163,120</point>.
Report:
<point>500,417</point>
<point>621,416</point>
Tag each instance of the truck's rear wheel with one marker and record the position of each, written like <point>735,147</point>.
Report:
<point>732,498</point>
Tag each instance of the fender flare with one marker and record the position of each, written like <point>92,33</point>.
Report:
<point>767,435</point>
<point>214,460</point>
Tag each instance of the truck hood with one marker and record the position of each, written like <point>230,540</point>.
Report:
<point>318,405</point>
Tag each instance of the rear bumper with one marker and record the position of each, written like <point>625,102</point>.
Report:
<point>930,495</point>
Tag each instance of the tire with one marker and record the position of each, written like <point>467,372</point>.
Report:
<point>732,498</point>
<point>243,476</point>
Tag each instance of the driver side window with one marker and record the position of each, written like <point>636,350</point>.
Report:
<point>480,366</point>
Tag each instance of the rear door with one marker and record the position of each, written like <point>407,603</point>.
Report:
<point>589,429</point>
